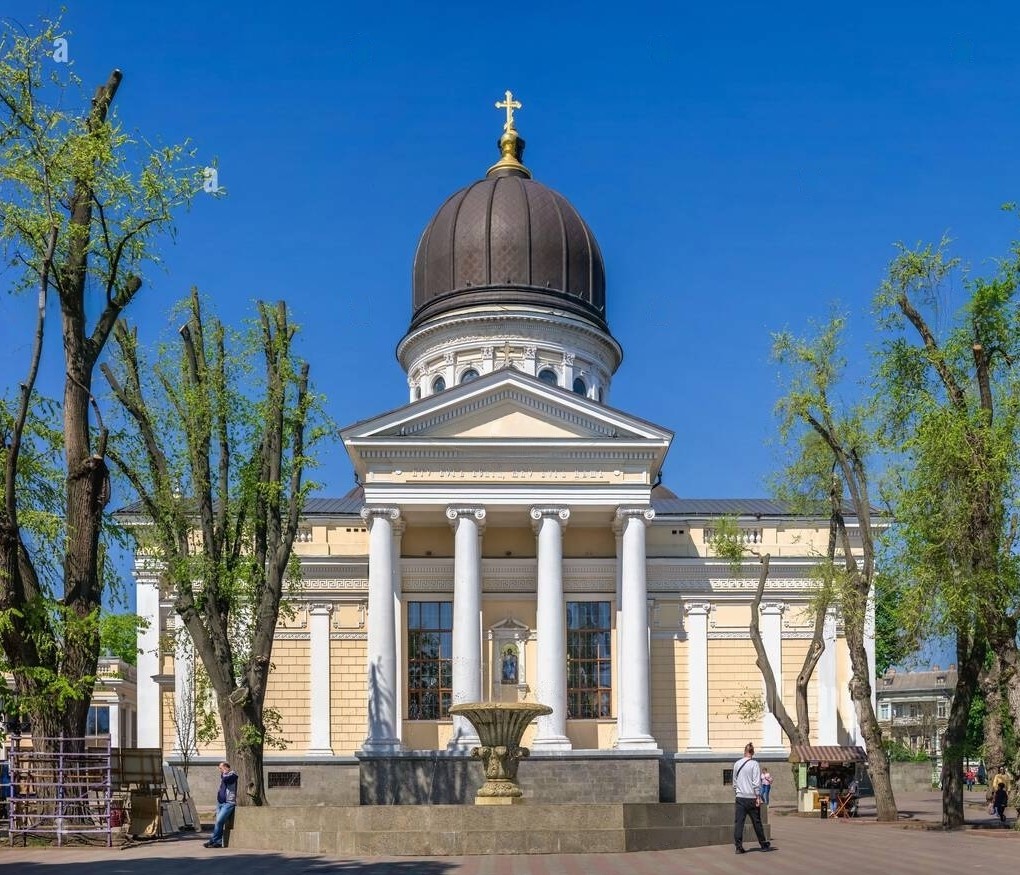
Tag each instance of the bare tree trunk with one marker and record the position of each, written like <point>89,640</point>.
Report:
<point>970,655</point>
<point>799,732</point>
<point>994,747</point>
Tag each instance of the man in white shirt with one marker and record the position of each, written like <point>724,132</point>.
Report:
<point>747,788</point>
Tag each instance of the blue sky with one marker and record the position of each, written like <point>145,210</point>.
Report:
<point>741,164</point>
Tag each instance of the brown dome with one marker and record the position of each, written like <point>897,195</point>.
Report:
<point>507,239</point>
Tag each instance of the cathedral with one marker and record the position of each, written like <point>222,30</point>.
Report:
<point>509,539</point>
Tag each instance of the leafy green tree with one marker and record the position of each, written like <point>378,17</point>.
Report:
<point>218,465</point>
<point>81,206</point>
<point>951,407</point>
<point>118,635</point>
<point>812,370</point>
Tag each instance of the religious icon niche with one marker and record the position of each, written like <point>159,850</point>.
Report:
<point>509,660</point>
<point>509,638</point>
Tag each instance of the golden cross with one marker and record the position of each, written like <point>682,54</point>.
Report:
<point>509,104</point>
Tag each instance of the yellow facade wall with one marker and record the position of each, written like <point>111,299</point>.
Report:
<point>288,692</point>
<point>418,541</point>
<point>733,677</point>
<point>349,690</point>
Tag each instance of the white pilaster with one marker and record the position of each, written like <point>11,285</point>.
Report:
<point>382,644</point>
<point>772,638</point>
<point>468,525</point>
<point>184,719</point>
<point>696,624</point>
<point>147,606</point>
<point>635,701</point>
<point>319,742</point>
<point>551,683</point>
<point>828,698</point>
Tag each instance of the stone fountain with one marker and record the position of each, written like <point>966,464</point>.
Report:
<point>500,727</point>
<point>540,827</point>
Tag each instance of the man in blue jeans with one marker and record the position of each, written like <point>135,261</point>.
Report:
<point>747,789</point>
<point>227,799</point>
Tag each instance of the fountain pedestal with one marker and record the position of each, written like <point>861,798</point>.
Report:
<point>500,727</point>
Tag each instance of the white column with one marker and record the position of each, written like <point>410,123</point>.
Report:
<point>468,524</point>
<point>382,644</point>
<point>115,718</point>
<point>398,589</point>
<point>149,706</point>
<point>618,531</point>
<point>869,649</point>
<point>184,717</point>
<point>696,624</point>
<point>828,699</point>
<point>635,701</point>
<point>772,638</point>
<point>319,742</point>
<point>551,628</point>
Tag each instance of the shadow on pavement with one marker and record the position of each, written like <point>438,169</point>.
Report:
<point>233,864</point>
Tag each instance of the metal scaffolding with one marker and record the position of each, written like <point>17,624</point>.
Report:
<point>64,791</point>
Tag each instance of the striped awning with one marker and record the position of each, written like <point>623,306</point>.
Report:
<point>826,753</point>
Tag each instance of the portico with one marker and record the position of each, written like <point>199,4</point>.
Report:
<point>569,464</point>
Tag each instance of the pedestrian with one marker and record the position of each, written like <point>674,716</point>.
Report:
<point>835,785</point>
<point>747,790</point>
<point>766,785</point>
<point>226,798</point>
<point>999,802</point>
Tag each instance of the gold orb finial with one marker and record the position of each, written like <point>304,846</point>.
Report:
<point>511,144</point>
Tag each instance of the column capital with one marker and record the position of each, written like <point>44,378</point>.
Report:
<point>454,513</point>
<point>645,514</point>
<point>371,512</point>
<point>560,514</point>
<point>773,608</point>
<point>319,609</point>
<point>697,608</point>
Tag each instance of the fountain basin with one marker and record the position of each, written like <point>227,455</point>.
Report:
<point>500,727</point>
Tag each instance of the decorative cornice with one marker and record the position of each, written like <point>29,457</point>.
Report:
<point>515,327</point>
<point>508,393</point>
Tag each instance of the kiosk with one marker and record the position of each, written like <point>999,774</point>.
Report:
<point>822,770</point>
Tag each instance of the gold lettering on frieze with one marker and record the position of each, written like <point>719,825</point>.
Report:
<point>447,475</point>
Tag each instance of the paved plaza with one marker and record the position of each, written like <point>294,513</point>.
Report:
<point>804,846</point>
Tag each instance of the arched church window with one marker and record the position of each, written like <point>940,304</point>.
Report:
<point>438,384</point>
<point>580,387</point>
<point>548,375</point>
<point>469,375</point>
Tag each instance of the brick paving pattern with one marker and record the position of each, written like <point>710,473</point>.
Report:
<point>804,846</point>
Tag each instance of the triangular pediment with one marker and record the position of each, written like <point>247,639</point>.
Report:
<point>506,405</point>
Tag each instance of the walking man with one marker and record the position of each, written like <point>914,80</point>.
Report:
<point>747,787</point>
<point>226,798</point>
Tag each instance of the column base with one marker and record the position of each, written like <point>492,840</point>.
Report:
<point>381,746</point>
<point>319,752</point>
<point>637,742</point>
<point>551,743</point>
